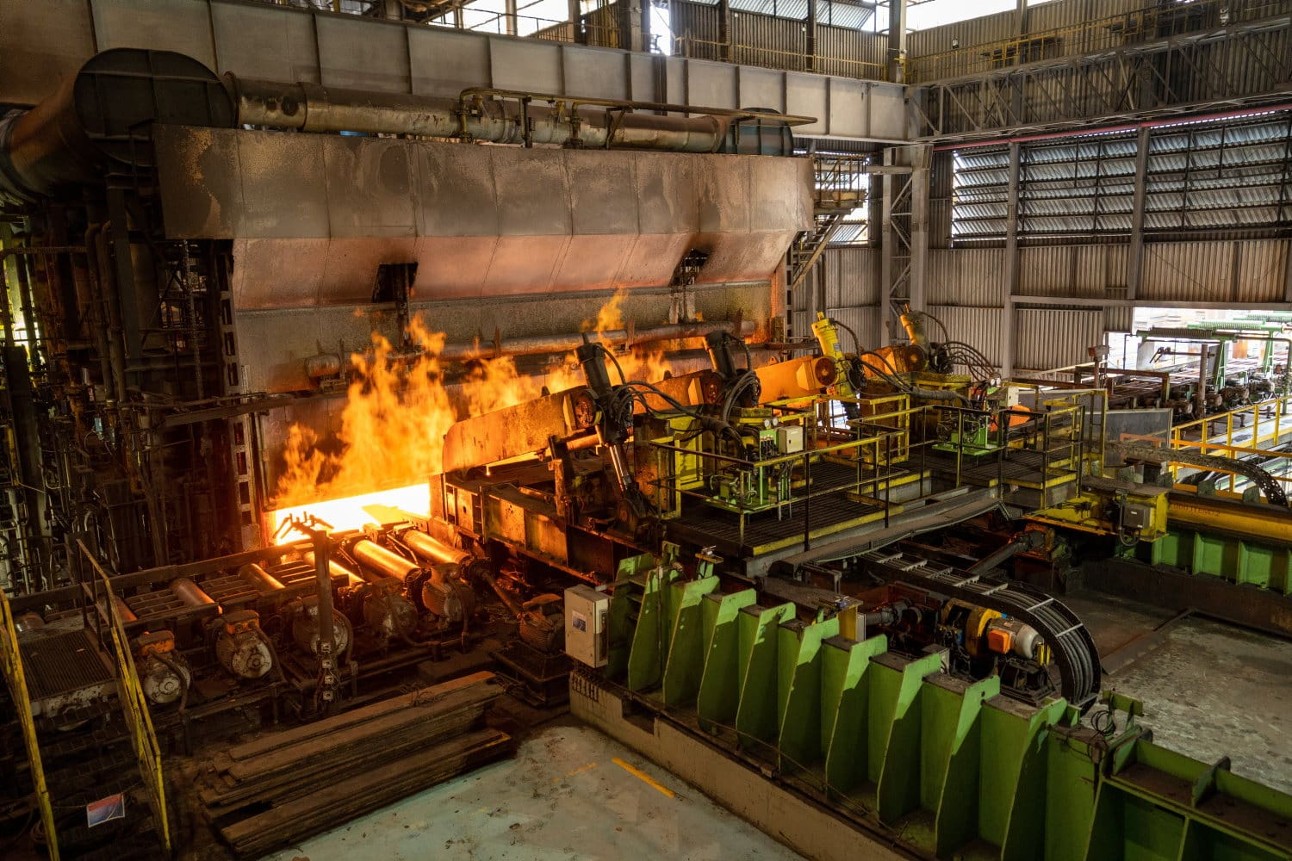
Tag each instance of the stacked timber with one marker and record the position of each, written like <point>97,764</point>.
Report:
<point>280,789</point>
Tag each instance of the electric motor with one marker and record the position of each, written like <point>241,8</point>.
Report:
<point>1010,635</point>
<point>389,613</point>
<point>305,627</point>
<point>241,647</point>
<point>542,623</point>
<point>446,595</point>
<point>163,674</point>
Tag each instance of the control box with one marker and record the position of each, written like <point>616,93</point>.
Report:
<point>789,438</point>
<point>587,634</point>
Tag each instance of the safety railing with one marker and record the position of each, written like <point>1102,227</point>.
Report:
<point>1152,22</point>
<point>840,182</point>
<point>695,48</point>
<point>869,416</point>
<point>583,31</point>
<point>134,704</point>
<point>783,483</point>
<point>1247,427</point>
<point>1054,435</point>
<point>16,678</point>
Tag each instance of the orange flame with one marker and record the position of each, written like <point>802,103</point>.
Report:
<point>397,412</point>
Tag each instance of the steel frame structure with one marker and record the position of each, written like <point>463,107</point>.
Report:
<point>1180,74</point>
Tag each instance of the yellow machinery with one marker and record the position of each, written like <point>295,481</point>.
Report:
<point>1116,507</point>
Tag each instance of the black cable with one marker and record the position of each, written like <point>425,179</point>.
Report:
<point>622,379</point>
<point>945,336</point>
<point>856,342</point>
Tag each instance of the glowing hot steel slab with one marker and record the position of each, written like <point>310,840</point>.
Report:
<point>354,512</point>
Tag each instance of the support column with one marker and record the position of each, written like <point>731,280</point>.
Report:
<point>921,156</point>
<point>905,231</point>
<point>897,41</point>
<point>509,16</point>
<point>724,30</point>
<point>1135,254</point>
<point>810,22</point>
<point>576,26</point>
<point>631,15</point>
<point>1009,341</point>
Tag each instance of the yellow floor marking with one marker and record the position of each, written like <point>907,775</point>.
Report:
<point>579,770</point>
<point>644,777</point>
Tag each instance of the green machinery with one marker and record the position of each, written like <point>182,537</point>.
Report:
<point>945,767</point>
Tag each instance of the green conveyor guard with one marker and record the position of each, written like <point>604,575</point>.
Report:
<point>950,767</point>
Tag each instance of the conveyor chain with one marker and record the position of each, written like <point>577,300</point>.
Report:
<point>1070,642</point>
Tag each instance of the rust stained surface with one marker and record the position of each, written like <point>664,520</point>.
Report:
<point>313,215</point>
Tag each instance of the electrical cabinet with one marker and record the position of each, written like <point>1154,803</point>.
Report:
<point>586,630</point>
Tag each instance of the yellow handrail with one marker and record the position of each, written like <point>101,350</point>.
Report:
<point>17,679</point>
<point>134,705</point>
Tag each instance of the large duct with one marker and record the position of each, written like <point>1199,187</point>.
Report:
<point>98,121</point>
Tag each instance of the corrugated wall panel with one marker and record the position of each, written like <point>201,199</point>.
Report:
<point>1188,271</point>
<point>1074,13</point>
<point>850,53</point>
<point>1118,318</point>
<point>1262,270</point>
<point>852,276</point>
<point>864,321</point>
<point>1072,270</point>
<point>983,328</point>
<point>695,26</point>
<point>1051,338</point>
<point>763,40</point>
<point>966,276</point>
<point>975,31</point>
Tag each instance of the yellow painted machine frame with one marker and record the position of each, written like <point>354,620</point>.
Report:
<point>133,702</point>
<point>11,660</point>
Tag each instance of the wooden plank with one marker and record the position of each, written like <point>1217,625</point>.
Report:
<point>260,746</point>
<point>301,753</point>
<point>370,790</point>
<point>224,800</point>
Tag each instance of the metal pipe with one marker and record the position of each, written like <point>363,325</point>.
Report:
<point>258,576</point>
<point>482,115</point>
<point>124,613</point>
<point>190,593</point>
<point>330,364</point>
<point>433,550</point>
<point>385,561</point>
<point>539,344</point>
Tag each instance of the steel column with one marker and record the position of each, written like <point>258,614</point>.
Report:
<point>1011,259</point>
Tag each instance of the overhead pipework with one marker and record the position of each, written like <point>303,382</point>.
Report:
<point>510,117</point>
<point>100,120</point>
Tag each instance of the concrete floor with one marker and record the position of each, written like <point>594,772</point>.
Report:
<point>562,796</point>
<point>1209,689</point>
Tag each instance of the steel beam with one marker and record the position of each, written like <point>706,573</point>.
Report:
<point>43,43</point>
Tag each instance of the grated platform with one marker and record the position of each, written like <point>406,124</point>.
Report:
<point>62,662</point>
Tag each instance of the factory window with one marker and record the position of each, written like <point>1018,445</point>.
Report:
<point>1218,176</point>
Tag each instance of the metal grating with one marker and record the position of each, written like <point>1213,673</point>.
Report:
<point>62,662</point>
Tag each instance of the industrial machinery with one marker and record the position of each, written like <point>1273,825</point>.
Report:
<point>226,336</point>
